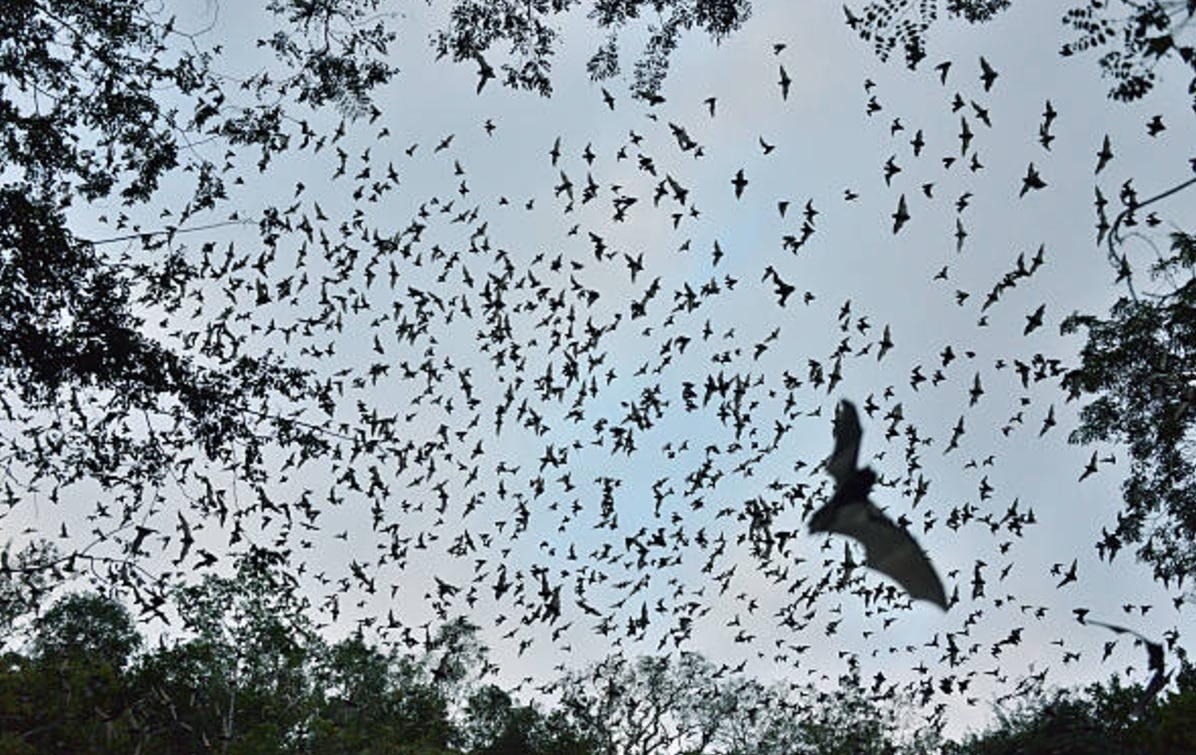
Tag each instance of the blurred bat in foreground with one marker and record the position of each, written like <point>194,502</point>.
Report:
<point>1154,661</point>
<point>888,548</point>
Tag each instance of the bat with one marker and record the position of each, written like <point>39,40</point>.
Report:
<point>901,216</point>
<point>1154,661</point>
<point>888,547</point>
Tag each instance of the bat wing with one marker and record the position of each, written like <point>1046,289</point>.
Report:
<point>1156,684</point>
<point>1155,656</point>
<point>1118,629</point>
<point>842,462</point>
<point>888,548</point>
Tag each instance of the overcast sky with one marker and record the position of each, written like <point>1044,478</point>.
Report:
<point>823,142</point>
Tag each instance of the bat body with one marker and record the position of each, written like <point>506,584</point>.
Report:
<point>888,547</point>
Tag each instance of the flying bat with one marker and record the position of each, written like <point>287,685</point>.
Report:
<point>1105,155</point>
<point>740,183</point>
<point>888,547</point>
<point>485,72</point>
<point>1155,661</point>
<point>901,216</point>
<point>988,74</point>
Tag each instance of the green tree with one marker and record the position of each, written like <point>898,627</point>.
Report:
<point>690,705</point>
<point>369,701</point>
<point>1173,724</point>
<point>454,654</point>
<point>495,725</point>
<point>1138,363</point>
<point>252,676</point>
<point>1057,723</point>
<point>72,693</point>
<point>647,705</point>
<point>182,692</point>
<point>1104,717</point>
<point>257,647</point>
<point>87,626</point>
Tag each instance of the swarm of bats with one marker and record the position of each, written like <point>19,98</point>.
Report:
<point>888,547</point>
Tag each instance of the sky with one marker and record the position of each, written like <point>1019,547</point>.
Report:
<point>821,143</point>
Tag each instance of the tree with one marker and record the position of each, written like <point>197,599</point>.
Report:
<point>476,25</point>
<point>89,627</point>
<point>1103,717</point>
<point>454,654</point>
<point>645,705</point>
<point>25,578</point>
<point>1052,724</point>
<point>1147,32</point>
<point>371,701</point>
<point>694,706</point>
<point>252,678</point>
<point>258,677</point>
<point>495,725</point>
<point>71,693</point>
<point>260,645</point>
<point>1138,363</point>
<point>106,100</point>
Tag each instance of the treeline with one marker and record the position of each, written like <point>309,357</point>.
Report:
<point>251,674</point>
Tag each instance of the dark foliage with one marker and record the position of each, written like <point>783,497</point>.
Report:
<point>1138,363</point>
<point>901,25</point>
<point>253,678</point>
<point>1096,720</point>
<point>1146,34</point>
<point>337,50</point>
<point>26,575</point>
<point>1140,34</point>
<point>94,98</point>
<point>526,29</point>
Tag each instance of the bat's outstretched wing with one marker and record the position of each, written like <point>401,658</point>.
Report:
<point>888,548</point>
<point>1155,661</point>
<point>842,462</point>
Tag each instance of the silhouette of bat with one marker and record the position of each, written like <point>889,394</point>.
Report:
<point>1155,658</point>
<point>888,547</point>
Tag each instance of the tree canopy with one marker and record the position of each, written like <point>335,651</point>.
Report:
<point>190,695</point>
